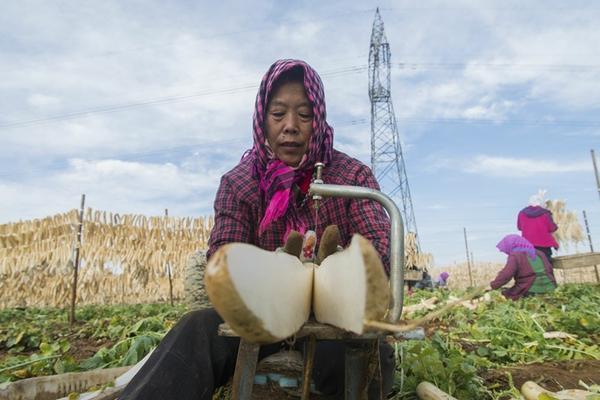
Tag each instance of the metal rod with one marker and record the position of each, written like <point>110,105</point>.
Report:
<point>76,264</point>
<point>396,236</point>
<point>587,228</point>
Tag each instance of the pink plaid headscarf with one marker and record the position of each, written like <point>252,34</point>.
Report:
<point>277,178</point>
<point>516,244</point>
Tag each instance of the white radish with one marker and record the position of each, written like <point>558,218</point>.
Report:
<point>428,391</point>
<point>264,296</point>
<point>533,391</point>
<point>351,286</point>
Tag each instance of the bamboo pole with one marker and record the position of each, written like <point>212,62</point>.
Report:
<point>76,264</point>
<point>587,228</point>
<point>596,171</point>
<point>169,270</point>
<point>468,259</point>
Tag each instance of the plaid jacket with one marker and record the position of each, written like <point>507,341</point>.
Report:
<point>239,208</point>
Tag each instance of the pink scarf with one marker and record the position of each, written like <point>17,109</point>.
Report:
<point>277,178</point>
<point>516,244</point>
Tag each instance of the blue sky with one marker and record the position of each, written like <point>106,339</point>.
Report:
<point>143,105</point>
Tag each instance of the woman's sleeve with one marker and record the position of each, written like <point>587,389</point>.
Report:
<point>232,222</point>
<point>368,218</point>
<point>506,274</point>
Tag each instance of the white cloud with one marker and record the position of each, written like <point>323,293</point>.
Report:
<point>437,206</point>
<point>533,56</point>
<point>521,167</point>
<point>43,101</point>
<point>141,180</point>
<point>114,185</point>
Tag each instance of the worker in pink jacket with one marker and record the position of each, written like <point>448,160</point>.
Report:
<point>536,225</point>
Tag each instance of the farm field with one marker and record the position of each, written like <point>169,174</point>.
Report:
<point>485,351</point>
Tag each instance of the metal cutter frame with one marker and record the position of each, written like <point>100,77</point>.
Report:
<point>318,190</point>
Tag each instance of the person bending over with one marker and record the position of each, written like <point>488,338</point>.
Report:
<point>529,267</point>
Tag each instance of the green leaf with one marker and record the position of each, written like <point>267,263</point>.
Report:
<point>92,363</point>
<point>64,345</point>
<point>59,367</point>
<point>139,348</point>
<point>45,348</point>
<point>12,341</point>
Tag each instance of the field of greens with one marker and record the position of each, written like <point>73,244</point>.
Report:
<point>481,353</point>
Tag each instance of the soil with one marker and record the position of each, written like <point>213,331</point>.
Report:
<point>81,348</point>
<point>554,376</point>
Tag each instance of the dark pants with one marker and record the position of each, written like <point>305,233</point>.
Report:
<point>193,360</point>
<point>547,252</point>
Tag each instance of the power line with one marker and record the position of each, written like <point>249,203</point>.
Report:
<point>518,9</point>
<point>214,36</point>
<point>161,100</point>
<point>172,151</point>
<point>126,106</point>
<point>526,122</point>
<point>137,155</point>
<point>498,66</point>
<point>354,69</point>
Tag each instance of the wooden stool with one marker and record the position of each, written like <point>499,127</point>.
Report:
<point>362,364</point>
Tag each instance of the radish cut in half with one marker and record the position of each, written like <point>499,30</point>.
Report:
<point>351,286</point>
<point>264,296</point>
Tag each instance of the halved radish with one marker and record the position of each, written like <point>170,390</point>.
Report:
<point>351,286</point>
<point>264,296</point>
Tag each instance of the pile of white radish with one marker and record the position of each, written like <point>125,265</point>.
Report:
<point>530,391</point>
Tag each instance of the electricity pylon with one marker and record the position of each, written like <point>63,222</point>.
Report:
<point>387,160</point>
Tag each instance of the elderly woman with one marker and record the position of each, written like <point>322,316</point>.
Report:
<point>528,266</point>
<point>260,201</point>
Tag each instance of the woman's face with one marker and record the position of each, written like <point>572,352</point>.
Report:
<point>288,123</point>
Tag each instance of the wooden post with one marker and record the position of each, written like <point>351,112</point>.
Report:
<point>309,357</point>
<point>587,229</point>
<point>596,171</point>
<point>245,369</point>
<point>473,266</point>
<point>468,259</point>
<point>76,264</point>
<point>169,270</point>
